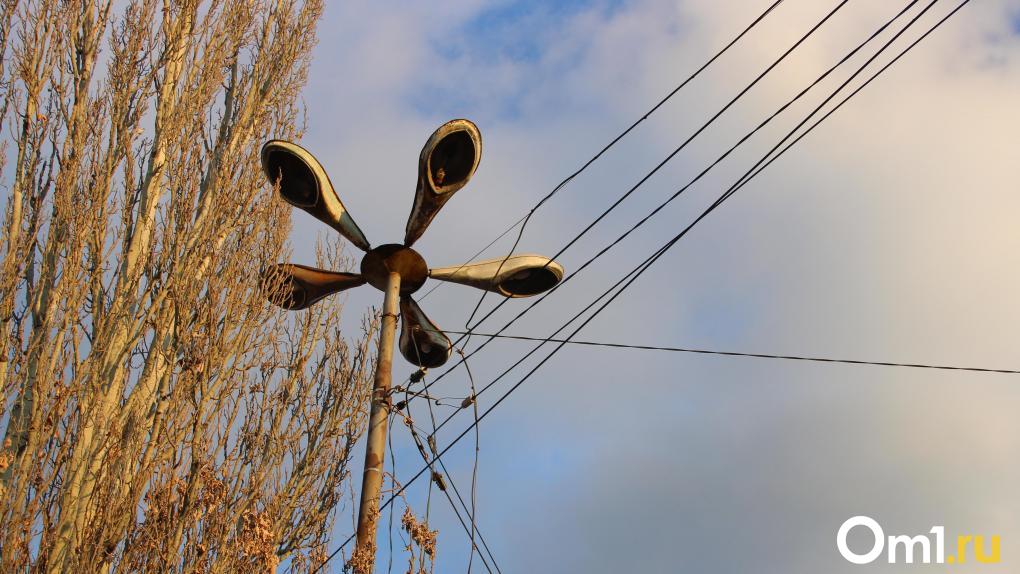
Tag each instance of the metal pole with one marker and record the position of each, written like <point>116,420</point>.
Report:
<point>375,451</point>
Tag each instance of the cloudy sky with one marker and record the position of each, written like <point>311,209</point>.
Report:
<point>891,233</point>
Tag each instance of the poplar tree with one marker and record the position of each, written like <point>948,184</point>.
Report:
<point>159,414</point>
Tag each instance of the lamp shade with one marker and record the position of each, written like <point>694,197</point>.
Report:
<point>521,275</point>
<point>296,287</point>
<point>447,162</point>
<point>304,184</point>
<point>421,341</point>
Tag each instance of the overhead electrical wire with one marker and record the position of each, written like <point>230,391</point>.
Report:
<point>629,278</point>
<point>675,195</point>
<point>474,530</point>
<point>757,20</point>
<point>470,531</point>
<point>743,354</point>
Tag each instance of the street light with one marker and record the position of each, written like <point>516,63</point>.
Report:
<point>446,164</point>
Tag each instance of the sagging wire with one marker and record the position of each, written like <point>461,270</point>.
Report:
<point>393,483</point>
<point>443,483</point>
<point>472,400</point>
<point>751,355</point>
<point>437,478</point>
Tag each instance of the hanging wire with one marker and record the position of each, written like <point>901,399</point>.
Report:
<point>393,484</point>
<point>471,401</point>
<point>429,462</point>
<point>753,355</point>
<point>431,441</point>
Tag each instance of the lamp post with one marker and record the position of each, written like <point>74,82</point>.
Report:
<point>447,161</point>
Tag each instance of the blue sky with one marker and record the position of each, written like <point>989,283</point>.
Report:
<point>888,234</point>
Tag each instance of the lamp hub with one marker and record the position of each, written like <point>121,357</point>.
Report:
<point>378,263</point>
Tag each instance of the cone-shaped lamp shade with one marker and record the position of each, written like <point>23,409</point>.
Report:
<point>421,341</point>
<point>518,276</point>
<point>305,185</point>
<point>448,160</point>
<point>297,287</point>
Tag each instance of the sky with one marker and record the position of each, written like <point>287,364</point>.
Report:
<point>888,234</point>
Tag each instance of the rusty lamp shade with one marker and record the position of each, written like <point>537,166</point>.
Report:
<point>447,162</point>
<point>296,287</point>
<point>421,342</point>
<point>305,185</point>
<point>521,275</point>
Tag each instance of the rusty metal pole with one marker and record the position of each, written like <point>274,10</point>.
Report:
<point>375,451</point>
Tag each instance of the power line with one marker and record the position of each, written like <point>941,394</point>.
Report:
<point>633,275</point>
<point>474,530</point>
<point>742,354</point>
<point>429,462</point>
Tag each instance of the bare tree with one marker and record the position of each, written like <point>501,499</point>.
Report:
<point>160,415</point>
